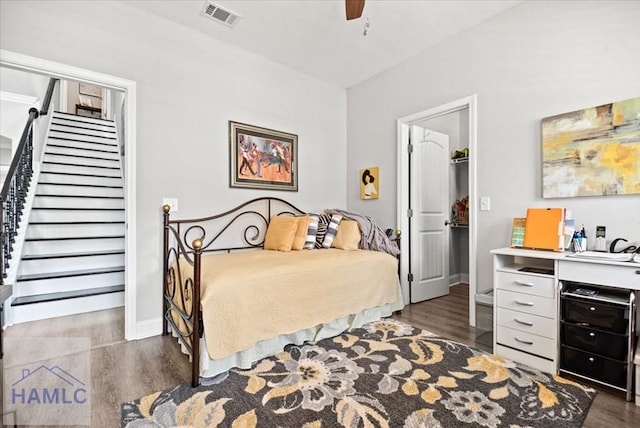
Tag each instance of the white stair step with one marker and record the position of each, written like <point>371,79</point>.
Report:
<point>84,124</point>
<point>74,169</point>
<point>59,308</point>
<point>56,282</point>
<point>82,128</point>
<point>81,161</point>
<point>82,131</point>
<point>68,189</point>
<point>61,230</point>
<point>73,245</point>
<point>76,202</point>
<point>64,263</point>
<point>81,153</point>
<point>72,283</point>
<point>40,215</point>
<point>85,119</point>
<point>82,145</point>
<point>79,179</point>
<point>62,136</point>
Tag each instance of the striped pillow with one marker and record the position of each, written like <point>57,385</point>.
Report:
<point>323,224</point>
<point>332,229</point>
<point>312,231</point>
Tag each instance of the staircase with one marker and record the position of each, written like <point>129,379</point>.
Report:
<point>73,255</point>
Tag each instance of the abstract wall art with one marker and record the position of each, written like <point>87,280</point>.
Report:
<point>592,152</point>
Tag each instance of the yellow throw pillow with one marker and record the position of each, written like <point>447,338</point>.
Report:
<point>348,235</point>
<point>280,233</point>
<point>301,233</point>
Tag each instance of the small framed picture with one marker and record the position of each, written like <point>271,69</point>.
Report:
<point>517,232</point>
<point>91,90</point>
<point>369,183</point>
<point>262,158</point>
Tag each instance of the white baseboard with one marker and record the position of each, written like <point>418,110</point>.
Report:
<point>149,328</point>
<point>458,278</point>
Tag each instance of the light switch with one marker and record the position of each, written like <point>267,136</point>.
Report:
<point>485,203</point>
<point>172,202</point>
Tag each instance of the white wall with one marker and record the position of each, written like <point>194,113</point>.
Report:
<point>5,157</point>
<point>117,114</point>
<point>17,82</point>
<point>535,60</point>
<point>189,86</point>
<point>19,92</point>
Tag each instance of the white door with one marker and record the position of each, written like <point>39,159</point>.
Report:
<point>430,205</point>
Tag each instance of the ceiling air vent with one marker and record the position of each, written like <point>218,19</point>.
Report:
<point>219,14</point>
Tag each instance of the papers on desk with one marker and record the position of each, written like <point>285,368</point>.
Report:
<point>614,257</point>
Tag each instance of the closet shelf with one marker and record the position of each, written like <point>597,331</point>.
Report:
<point>460,160</point>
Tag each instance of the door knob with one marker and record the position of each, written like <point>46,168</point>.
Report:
<point>447,222</point>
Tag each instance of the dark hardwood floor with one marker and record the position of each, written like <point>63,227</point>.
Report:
<point>123,371</point>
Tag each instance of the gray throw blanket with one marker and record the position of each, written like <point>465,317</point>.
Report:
<point>373,237</point>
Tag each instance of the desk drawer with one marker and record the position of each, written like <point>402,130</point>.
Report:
<point>600,273</point>
<point>599,342</point>
<point>594,366</point>
<point>534,344</point>
<point>545,327</point>
<point>534,305</point>
<point>591,313</point>
<point>523,283</point>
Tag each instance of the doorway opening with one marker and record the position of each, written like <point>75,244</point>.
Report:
<point>466,109</point>
<point>17,61</point>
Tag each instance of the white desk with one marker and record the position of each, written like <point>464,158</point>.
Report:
<point>526,317</point>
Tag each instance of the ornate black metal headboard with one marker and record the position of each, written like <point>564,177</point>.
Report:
<point>244,226</point>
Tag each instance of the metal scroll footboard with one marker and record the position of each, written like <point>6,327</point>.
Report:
<point>185,241</point>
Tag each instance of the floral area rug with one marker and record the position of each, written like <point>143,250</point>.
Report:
<point>386,374</point>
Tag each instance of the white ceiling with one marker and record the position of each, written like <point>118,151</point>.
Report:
<point>315,38</point>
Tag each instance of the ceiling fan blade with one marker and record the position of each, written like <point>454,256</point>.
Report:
<point>353,8</point>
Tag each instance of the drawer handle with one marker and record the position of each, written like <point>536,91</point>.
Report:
<point>526,284</point>
<point>592,334</point>
<point>591,359</point>
<point>529,324</point>
<point>592,308</point>
<point>526,342</point>
<point>521,303</point>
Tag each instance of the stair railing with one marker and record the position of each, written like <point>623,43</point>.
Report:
<point>16,185</point>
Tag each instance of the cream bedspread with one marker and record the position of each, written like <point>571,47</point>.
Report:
<point>257,295</point>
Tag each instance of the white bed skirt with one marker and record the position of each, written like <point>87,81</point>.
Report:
<point>267,348</point>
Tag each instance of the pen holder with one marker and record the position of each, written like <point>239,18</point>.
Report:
<point>582,244</point>
<point>579,244</point>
